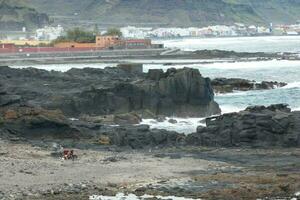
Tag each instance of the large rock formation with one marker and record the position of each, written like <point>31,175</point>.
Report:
<point>183,93</point>
<point>30,123</point>
<point>20,120</point>
<point>260,126</point>
<point>120,90</point>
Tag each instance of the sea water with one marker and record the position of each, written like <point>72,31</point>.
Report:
<point>239,44</point>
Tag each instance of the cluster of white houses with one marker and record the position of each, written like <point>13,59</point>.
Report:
<point>237,29</point>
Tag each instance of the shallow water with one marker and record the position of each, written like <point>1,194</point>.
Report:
<point>182,125</point>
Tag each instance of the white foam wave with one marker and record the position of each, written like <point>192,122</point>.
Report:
<point>292,85</point>
<point>66,67</point>
<point>235,93</point>
<point>230,109</point>
<point>296,109</point>
<point>182,125</point>
<point>240,44</point>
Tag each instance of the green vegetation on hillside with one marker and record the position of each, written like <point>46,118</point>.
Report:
<point>15,14</point>
<point>77,35</point>
<point>114,32</point>
<point>172,12</point>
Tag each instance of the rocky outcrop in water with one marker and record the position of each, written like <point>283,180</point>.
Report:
<point>120,90</point>
<point>226,85</point>
<point>209,54</point>
<point>260,126</point>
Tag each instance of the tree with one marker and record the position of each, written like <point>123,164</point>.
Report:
<point>96,29</point>
<point>77,35</point>
<point>114,31</point>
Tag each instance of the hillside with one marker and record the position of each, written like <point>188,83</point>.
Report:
<point>15,14</point>
<point>171,12</point>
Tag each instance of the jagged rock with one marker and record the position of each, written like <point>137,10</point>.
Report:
<point>133,68</point>
<point>118,90</point>
<point>182,92</point>
<point>31,122</point>
<point>138,137</point>
<point>172,121</point>
<point>155,74</point>
<point>119,119</point>
<point>129,118</point>
<point>2,89</point>
<point>226,85</point>
<point>260,126</point>
<point>6,100</point>
<point>209,54</point>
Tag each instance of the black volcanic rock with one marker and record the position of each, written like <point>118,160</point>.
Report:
<point>181,93</point>
<point>8,99</point>
<point>30,123</point>
<point>155,74</point>
<point>225,85</point>
<point>117,90</point>
<point>260,126</point>
<point>138,137</point>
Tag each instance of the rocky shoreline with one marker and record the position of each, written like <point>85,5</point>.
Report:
<point>96,112</point>
<point>83,104</point>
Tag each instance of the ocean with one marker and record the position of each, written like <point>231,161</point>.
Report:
<point>239,44</point>
<point>272,70</point>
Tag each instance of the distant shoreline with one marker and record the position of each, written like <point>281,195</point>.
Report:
<point>220,37</point>
<point>196,57</point>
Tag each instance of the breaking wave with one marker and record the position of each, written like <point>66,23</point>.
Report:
<point>181,125</point>
<point>292,85</point>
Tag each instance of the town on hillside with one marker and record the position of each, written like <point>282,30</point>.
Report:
<point>58,39</point>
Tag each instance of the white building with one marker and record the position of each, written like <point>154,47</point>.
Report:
<point>263,30</point>
<point>135,32</point>
<point>49,33</point>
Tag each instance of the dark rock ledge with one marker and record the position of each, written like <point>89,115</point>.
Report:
<point>227,85</point>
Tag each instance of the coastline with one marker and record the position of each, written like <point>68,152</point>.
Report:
<point>30,138</point>
<point>113,56</point>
